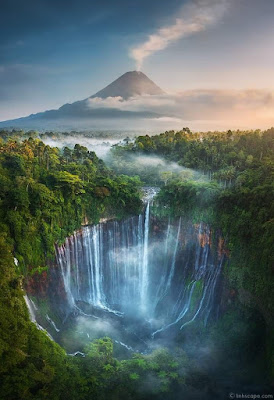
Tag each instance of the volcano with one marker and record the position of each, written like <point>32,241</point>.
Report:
<point>80,115</point>
<point>131,84</point>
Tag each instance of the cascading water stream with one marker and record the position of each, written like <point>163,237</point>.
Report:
<point>32,310</point>
<point>172,269</point>
<point>167,273</point>
<point>144,278</point>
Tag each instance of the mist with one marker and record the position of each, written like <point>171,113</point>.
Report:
<point>200,109</point>
<point>100,146</point>
<point>150,168</point>
<point>180,253</point>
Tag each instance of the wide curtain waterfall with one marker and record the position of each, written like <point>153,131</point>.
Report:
<point>164,271</point>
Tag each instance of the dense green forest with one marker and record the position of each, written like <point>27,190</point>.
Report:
<point>234,192</point>
<point>47,193</point>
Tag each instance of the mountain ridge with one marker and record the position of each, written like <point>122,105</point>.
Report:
<point>130,84</point>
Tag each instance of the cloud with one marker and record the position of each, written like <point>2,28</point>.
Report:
<point>194,17</point>
<point>243,107</point>
<point>137,103</point>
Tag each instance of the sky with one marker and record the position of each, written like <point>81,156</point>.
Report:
<point>54,52</point>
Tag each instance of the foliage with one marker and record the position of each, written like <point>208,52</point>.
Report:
<point>46,194</point>
<point>237,198</point>
<point>224,156</point>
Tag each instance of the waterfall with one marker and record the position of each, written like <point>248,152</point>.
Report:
<point>172,269</point>
<point>31,309</point>
<point>144,279</point>
<point>166,273</point>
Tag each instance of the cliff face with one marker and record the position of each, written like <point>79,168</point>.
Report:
<point>49,287</point>
<point>193,243</point>
<point>162,270</point>
<point>143,265</point>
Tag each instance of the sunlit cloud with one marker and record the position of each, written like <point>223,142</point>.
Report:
<point>194,17</point>
<point>243,106</point>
